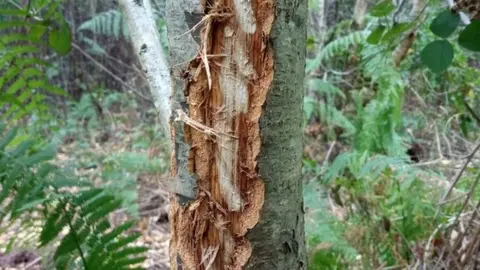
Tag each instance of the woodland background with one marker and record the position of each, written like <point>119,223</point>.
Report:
<point>391,136</point>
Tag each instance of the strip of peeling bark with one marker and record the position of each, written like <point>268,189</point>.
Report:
<point>146,42</point>
<point>237,133</point>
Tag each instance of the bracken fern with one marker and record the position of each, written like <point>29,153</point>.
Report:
<point>31,184</point>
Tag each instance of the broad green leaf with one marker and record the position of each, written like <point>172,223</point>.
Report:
<point>445,23</point>
<point>376,35</point>
<point>60,39</point>
<point>469,38</point>
<point>37,31</point>
<point>396,31</point>
<point>382,9</point>
<point>437,55</point>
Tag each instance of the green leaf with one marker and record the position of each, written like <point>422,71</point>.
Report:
<point>111,236</point>
<point>87,195</point>
<point>376,35</point>
<point>123,241</point>
<point>129,261</point>
<point>8,24</point>
<point>55,90</point>
<point>10,98</point>
<point>36,84</point>
<point>22,148</point>
<point>60,39</point>
<point>469,38</point>
<point>437,55</point>
<point>68,244</point>
<point>445,23</point>
<point>37,31</point>
<point>24,62</point>
<point>45,169</point>
<point>13,12</point>
<point>34,203</point>
<point>324,87</point>
<point>17,85</point>
<point>54,224</point>
<point>382,9</point>
<point>396,31</point>
<point>8,138</point>
<point>8,185</point>
<point>45,154</point>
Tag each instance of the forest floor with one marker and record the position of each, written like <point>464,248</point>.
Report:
<point>92,154</point>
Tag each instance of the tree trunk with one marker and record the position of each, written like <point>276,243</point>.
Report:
<point>237,69</point>
<point>359,12</point>
<point>146,43</point>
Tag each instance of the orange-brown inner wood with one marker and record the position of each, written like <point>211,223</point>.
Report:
<point>206,229</point>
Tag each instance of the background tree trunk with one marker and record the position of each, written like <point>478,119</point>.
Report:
<point>146,43</point>
<point>237,133</point>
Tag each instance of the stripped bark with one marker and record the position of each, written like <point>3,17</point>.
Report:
<point>236,130</point>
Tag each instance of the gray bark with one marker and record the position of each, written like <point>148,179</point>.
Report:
<point>278,239</point>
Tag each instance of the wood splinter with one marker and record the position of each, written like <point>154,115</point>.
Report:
<point>183,117</point>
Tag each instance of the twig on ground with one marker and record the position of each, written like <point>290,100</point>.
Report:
<point>470,110</point>
<point>439,146</point>
<point>457,178</point>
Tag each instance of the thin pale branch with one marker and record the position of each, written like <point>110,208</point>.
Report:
<point>146,43</point>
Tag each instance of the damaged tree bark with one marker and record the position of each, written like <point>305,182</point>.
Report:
<point>237,75</point>
<point>237,69</point>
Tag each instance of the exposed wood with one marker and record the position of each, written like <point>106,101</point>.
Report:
<point>217,131</point>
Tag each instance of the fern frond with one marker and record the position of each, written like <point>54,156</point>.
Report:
<point>22,78</point>
<point>338,46</point>
<point>328,114</point>
<point>54,224</point>
<point>28,182</point>
<point>338,166</point>
<point>325,88</point>
<point>108,23</point>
